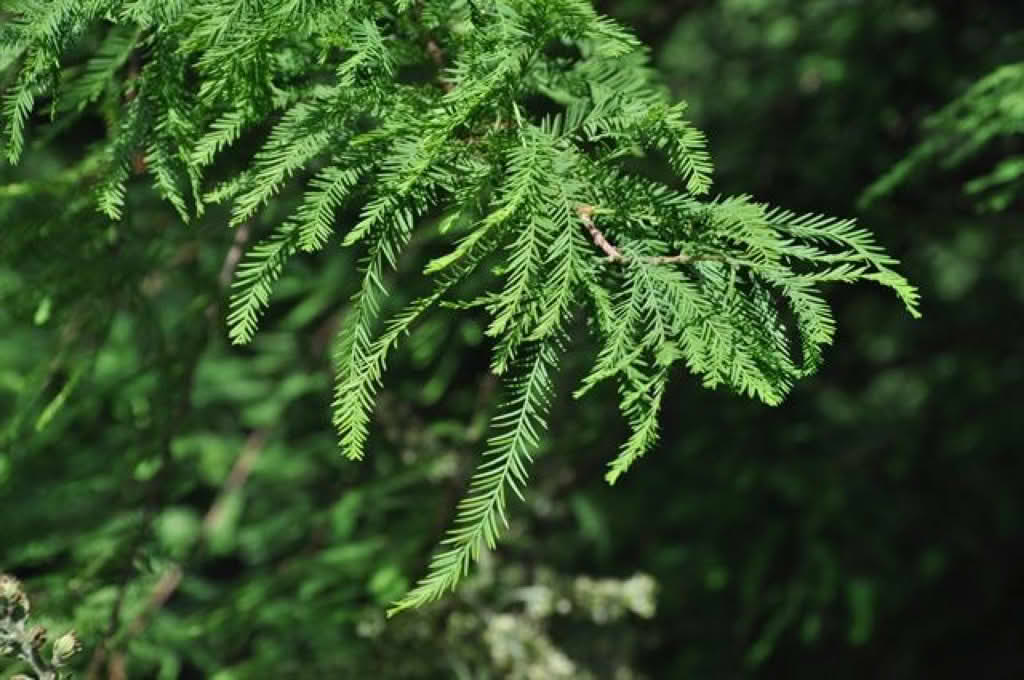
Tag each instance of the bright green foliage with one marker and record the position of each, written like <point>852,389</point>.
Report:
<point>523,138</point>
<point>518,426</point>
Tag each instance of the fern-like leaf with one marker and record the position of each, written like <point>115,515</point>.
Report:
<point>481,513</point>
<point>254,281</point>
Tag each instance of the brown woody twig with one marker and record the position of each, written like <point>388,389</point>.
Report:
<point>171,578</point>
<point>613,254</point>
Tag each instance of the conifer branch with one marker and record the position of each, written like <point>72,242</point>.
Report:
<point>482,512</point>
<point>321,82</point>
<point>586,214</point>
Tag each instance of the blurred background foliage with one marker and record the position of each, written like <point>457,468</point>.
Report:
<point>181,502</point>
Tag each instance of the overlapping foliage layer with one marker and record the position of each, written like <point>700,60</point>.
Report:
<point>852,529</point>
<point>516,121</point>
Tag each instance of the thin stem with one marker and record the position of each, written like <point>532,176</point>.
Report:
<point>234,254</point>
<point>436,55</point>
<point>39,666</point>
<point>171,578</point>
<point>613,254</point>
<point>17,634</point>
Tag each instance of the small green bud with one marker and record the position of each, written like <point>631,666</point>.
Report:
<point>65,647</point>
<point>13,601</point>
<point>37,636</point>
<point>8,586</point>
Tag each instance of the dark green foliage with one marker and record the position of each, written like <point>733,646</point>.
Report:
<point>991,110</point>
